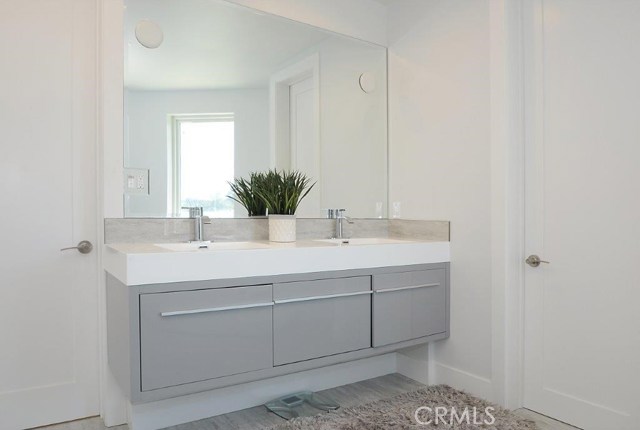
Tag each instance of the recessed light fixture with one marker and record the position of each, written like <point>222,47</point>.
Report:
<point>367,82</point>
<point>149,34</point>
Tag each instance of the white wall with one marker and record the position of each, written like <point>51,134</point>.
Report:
<point>146,144</point>
<point>362,19</point>
<point>440,162</point>
<point>353,128</point>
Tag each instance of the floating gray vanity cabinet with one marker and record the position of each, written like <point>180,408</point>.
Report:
<point>190,336</point>
<point>171,339</point>
<point>408,305</point>
<point>317,318</point>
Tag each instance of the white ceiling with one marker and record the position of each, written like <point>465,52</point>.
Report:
<point>210,45</point>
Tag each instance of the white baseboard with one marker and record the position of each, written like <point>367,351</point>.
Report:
<point>473,384</point>
<point>164,413</point>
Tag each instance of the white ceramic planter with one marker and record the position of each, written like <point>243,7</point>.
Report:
<point>282,228</point>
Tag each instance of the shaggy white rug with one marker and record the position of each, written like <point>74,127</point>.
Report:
<point>438,407</point>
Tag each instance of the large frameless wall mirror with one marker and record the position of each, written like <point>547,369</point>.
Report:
<point>214,91</point>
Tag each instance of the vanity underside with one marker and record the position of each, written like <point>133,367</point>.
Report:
<point>173,339</point>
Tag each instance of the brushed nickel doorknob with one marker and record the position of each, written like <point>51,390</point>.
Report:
<point>534,261</point>
<point>84,247</point>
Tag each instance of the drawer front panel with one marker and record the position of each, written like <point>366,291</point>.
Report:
<point>408,305</point>
<point>192,336</point>
<point>314,319</point>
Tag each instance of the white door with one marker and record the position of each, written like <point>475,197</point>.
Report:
<point>582,311</point>
<point>48,298</point>
<point>305,151</point>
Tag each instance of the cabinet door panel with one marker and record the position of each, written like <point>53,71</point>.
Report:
<point>408,305</point>
<point>192,336</point>
<point>314,319</point>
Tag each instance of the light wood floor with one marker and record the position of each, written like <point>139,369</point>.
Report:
<point>543,422</point>
<point>348,395</point>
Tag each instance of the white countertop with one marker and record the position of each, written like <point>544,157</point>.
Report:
<point>145,263</point>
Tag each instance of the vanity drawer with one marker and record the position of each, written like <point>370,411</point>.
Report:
<point>408,305</point>
<point>314,319</point>
<point>191,336</point>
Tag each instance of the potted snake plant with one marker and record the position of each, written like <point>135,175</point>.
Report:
<point>245,192</point>
<point>282,192</point>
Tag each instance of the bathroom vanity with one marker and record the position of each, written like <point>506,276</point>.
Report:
<point>186,326</point>
<point>183,320</point>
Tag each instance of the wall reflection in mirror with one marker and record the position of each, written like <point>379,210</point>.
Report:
<point>214,91</point>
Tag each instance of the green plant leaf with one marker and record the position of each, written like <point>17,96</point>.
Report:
<point>282,191</point>
<point>245,194</point>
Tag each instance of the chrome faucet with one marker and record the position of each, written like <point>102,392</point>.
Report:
<point>199,220</point>
<point>340,217</point>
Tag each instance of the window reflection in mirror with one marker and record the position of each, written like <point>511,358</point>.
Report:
<point>201,164</point>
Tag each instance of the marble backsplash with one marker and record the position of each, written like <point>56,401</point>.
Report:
<point>165,230</point>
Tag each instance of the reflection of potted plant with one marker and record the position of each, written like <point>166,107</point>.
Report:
<point>245,194</point>
<point>282,193</point>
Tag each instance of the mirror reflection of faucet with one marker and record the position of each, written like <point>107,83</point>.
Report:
<point>340,217</point>
<point>196,213</point>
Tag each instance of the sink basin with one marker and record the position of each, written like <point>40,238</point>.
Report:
<point>363,241</point>
<point>211,246</point>
<point>146,263</point>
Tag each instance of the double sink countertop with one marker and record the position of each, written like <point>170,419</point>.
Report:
<point>146,263</point>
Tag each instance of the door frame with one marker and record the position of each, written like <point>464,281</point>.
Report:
<point>279,119</point>
<point>511,134</point>
<point>110,168</point>
<point>533,85</point>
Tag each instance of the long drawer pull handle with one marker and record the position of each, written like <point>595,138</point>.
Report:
<point>411,287</point>
<point>330,296</point>
<point>221,309</point>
